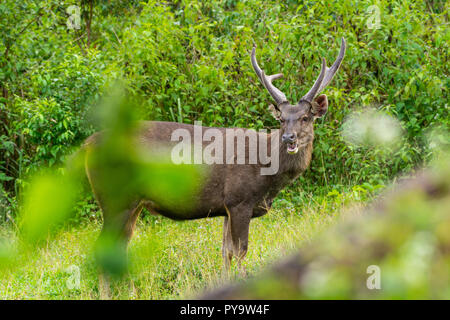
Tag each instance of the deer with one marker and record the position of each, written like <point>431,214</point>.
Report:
<point>237,192</point>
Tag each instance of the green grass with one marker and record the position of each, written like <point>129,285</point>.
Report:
<point>169,260</point>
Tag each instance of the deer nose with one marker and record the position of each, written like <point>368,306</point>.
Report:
<point>288,137</point>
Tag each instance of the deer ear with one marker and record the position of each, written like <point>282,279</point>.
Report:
<point>275,112</point>
<point>320,106</point>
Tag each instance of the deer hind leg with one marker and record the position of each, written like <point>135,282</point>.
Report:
<point>133,215</point>
<point>104,286</point>
<point>131,218</point>
<point>118,229</point>
<point>238,227</point>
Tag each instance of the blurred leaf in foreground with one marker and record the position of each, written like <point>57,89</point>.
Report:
<point>125,171</point>
<point>48,203</point>
<point>371,128</point>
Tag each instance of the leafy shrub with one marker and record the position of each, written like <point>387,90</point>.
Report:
<point>189,60</point>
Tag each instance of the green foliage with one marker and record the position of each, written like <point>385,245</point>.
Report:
<point>189,60</point>
<point>49,202</point>
<point>122,168</point>
<point>186,60</point>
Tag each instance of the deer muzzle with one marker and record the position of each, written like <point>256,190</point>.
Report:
<point>292,144</point>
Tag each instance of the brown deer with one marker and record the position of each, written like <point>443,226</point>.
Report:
<point>238,192</point>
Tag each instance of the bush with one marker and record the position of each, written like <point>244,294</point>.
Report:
<point>189,60</point>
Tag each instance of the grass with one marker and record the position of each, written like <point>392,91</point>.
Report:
<point>169,259</point>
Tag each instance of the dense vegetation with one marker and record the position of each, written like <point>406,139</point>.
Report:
<point>189,60</point>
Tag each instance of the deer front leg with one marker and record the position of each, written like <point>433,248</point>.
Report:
<point>227,245</point>
<point>236,229</point>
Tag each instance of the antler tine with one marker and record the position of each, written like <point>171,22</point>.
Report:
<point>266,80</point>
<point>326,75</point>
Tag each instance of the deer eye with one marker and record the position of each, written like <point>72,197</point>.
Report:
<point>282,120</point>
<point>305,119</point>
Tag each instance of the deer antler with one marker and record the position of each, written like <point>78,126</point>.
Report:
<point>326,75</point>
<point>266,80</point>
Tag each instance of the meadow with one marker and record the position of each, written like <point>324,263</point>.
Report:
<point>168,259</point>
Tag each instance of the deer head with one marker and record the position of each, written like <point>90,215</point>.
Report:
<point>297,120</point>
